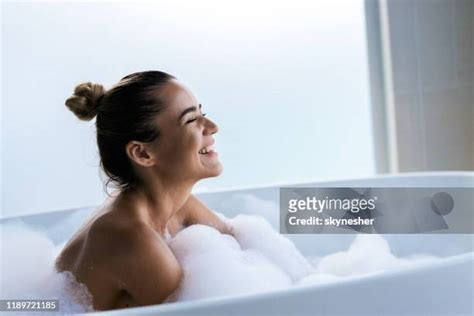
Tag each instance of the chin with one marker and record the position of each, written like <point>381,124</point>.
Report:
<point>214,172</point>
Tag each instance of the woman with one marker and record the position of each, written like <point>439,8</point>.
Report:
<point>155,144</point>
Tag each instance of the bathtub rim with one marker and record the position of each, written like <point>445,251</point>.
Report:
<point>324,181</point>
<point>332,181</point>
<point>292,290</point>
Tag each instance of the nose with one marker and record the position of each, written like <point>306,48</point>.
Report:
<point>210,127</point>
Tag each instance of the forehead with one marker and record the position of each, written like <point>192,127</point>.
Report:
<point>177,97</point>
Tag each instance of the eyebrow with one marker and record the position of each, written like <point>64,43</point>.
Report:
<point>190,109</point>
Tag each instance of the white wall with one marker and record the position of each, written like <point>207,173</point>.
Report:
<point>287,85</point>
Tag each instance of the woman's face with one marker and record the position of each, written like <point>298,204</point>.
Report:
<point>184,149</point>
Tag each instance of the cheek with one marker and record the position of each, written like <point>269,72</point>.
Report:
<point>168,152</point>
<point>183,150</point>
<point>180,149</point>
<point>191,142</point>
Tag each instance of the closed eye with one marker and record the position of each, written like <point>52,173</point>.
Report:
<point>194,118</point>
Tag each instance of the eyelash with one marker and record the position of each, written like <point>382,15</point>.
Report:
<point>192,120</point>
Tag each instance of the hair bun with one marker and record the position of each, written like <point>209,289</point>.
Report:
<point>85,100</point>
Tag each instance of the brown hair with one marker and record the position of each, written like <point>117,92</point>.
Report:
<point>124,113</point>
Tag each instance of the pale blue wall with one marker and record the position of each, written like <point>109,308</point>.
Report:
<point>288,88</point>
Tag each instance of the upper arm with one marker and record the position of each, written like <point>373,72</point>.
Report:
<point>198,213</point>
<point>148,270</point>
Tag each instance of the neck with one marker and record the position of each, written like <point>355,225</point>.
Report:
<point>157,201</point>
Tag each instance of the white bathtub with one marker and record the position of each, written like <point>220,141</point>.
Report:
<point>443,287</point>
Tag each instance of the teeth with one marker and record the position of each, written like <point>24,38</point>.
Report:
<point>206,150</point>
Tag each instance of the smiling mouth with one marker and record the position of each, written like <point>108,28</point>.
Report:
<point>207,150</point>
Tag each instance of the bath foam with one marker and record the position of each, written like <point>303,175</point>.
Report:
<point>254,232</point>
<point>368,254</point>
<point>27,271</point>
<point>214,264</point>
<point>260,259</point>
<point>257,259</point>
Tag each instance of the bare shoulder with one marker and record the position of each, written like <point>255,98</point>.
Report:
<point>122,239</point>
<point>139,259</point>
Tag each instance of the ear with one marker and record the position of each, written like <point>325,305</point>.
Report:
<point>140,153</point>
